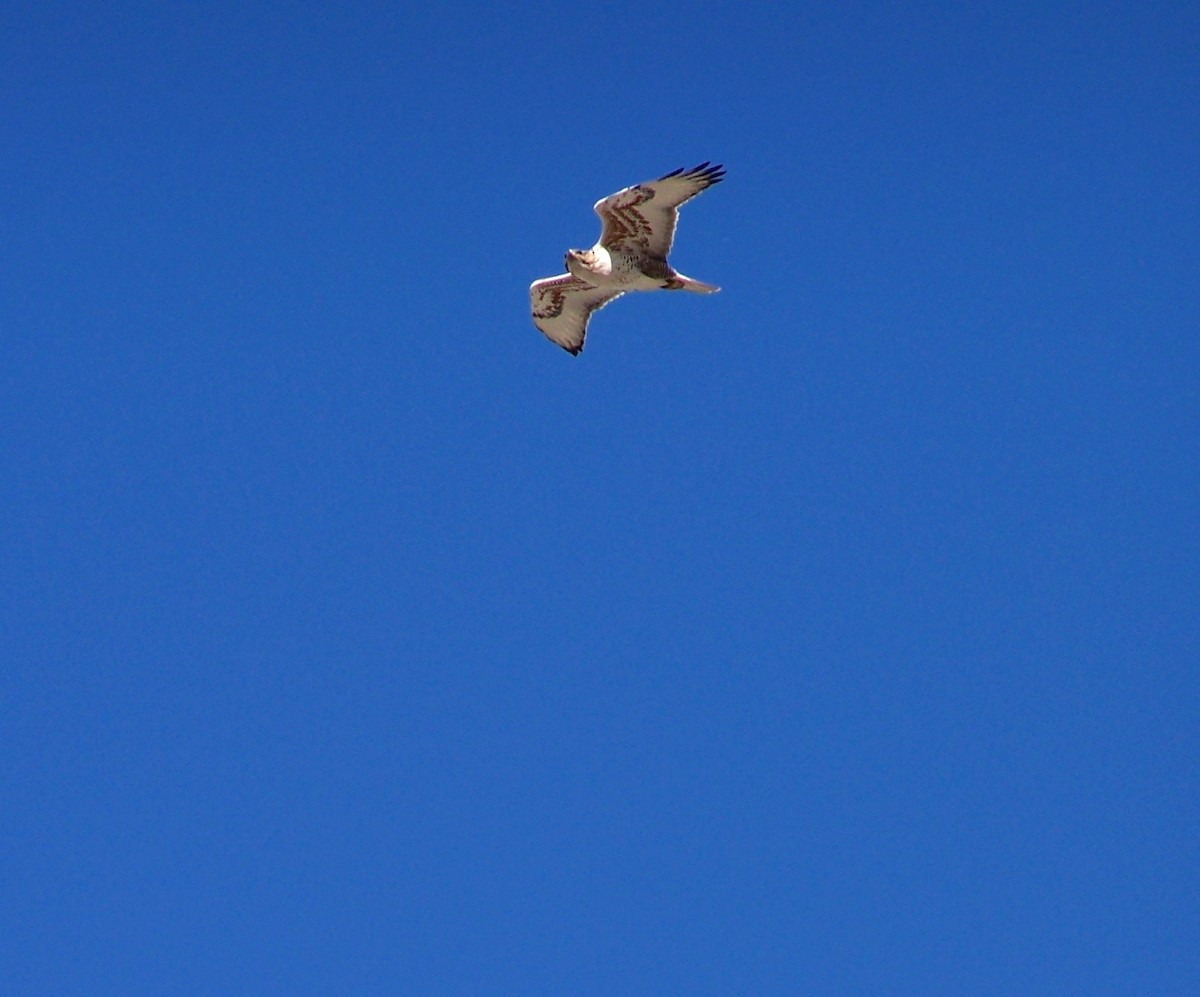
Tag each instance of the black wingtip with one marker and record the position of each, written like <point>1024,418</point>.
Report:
<point>706,172</point>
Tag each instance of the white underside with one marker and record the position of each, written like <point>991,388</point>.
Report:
<point>616,270</point>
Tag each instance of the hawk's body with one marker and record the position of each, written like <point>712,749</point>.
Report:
<point>638,226</point>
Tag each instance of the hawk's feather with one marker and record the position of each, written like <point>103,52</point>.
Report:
<point>646,214</point>
<point>562,306</point>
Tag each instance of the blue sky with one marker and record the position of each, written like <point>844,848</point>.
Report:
<point>833,634</point>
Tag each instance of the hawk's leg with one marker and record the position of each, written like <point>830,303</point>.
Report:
<point>658,270</point>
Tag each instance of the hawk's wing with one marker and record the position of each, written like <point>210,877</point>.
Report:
<point>562,306</point>
<point>644,216</point>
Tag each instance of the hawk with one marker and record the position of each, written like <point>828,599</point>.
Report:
<point>638,225</point>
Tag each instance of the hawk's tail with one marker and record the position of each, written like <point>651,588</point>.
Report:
<point>687,284</point>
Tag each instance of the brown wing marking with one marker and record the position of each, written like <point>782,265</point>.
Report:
<point>561,307</point>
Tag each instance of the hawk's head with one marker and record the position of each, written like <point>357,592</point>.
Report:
<point>580,262</point>
<point>591,265</point>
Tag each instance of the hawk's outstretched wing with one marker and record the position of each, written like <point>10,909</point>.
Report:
<point>644,216</point>
<point>562,306</point>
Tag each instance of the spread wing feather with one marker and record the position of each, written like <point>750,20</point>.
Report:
<point>644,216</point>
<point>562,307</point>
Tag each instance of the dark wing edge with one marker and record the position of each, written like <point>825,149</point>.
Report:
<point>694,181</point>
<point>706,174</point>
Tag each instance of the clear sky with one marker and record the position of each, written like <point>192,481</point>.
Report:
<point>837,633</point>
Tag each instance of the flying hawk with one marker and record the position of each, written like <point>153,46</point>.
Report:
<point>638,226</point>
